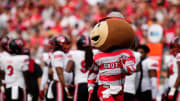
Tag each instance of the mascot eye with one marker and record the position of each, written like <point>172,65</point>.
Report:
<point>95,38</point>
<point>98,24</point>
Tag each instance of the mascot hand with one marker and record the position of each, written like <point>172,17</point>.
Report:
<point>90,95</point>
<point>171,93</point>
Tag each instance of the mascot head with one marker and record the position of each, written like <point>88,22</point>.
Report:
<point>112,32</point>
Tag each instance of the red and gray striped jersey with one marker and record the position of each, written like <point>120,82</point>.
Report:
<point>111,67</point>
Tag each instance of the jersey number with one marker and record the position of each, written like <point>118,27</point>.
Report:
<point>83,67</point>
<point>11,70</point>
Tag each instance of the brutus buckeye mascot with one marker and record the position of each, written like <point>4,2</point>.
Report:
<point>112,36</point>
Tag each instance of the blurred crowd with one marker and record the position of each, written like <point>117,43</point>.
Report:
<point>37,20</point>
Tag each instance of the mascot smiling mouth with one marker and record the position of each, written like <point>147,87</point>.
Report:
<point>95,38</point>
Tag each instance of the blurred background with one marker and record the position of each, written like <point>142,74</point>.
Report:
<point>155,22</point>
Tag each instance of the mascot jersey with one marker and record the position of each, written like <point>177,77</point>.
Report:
<point>108,68</point>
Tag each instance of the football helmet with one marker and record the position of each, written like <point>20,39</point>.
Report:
<point>16,46</point>
<point>82,42</point>
<point>4,43</point>
<point>61,42</point>
<point>175,46</point>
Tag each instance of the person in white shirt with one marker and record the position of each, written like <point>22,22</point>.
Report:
<point>58,89</point>
<point>147,89</point>
<point>77,61</point>
<point>15,67</point>
<point>174,82</point>
<point>46,64</point>
<point>4,52</point>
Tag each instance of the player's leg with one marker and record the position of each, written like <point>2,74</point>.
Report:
<point>8,94</point>
<point>75,97</point>
<point>146,96</point>
<point>23,94</point>
<point>128,97</point>
<point>15,94</point>
<point>81,92</point>
<point>58,91</point>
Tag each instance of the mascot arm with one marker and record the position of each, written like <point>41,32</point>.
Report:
<point>92,75</point>
<point>129,65</point>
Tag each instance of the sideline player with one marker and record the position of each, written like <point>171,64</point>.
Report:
<point>147,88</point>
<point>16,68</point>
<point>175,85</point>
<point>77,62</point>
<point>58,90</point>
<point>4,52</point>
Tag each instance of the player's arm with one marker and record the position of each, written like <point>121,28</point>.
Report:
<point>2,75</point>
<point>166,81</point>
<point>59,71</point>
<point>59,63</point>
<point>70,66</point>
<point>153,65</point>
<point>178,78</point>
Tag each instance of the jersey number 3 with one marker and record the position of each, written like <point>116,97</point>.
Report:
<point>11,70</point>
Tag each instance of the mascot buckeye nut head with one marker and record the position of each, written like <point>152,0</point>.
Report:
<point>112,32</point>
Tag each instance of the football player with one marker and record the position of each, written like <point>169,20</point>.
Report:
<point>46,64</point>
<point>174,81</point>
<point>77,62</point>
<point>15,67</point>
<point>58,89</point>
<point>4,52</point>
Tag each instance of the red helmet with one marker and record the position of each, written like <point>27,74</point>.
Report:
<point>175,46</point>
<point>61,42</point>
<point>82,42</point>
<point>16,46</point>
<point>4,43</point>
